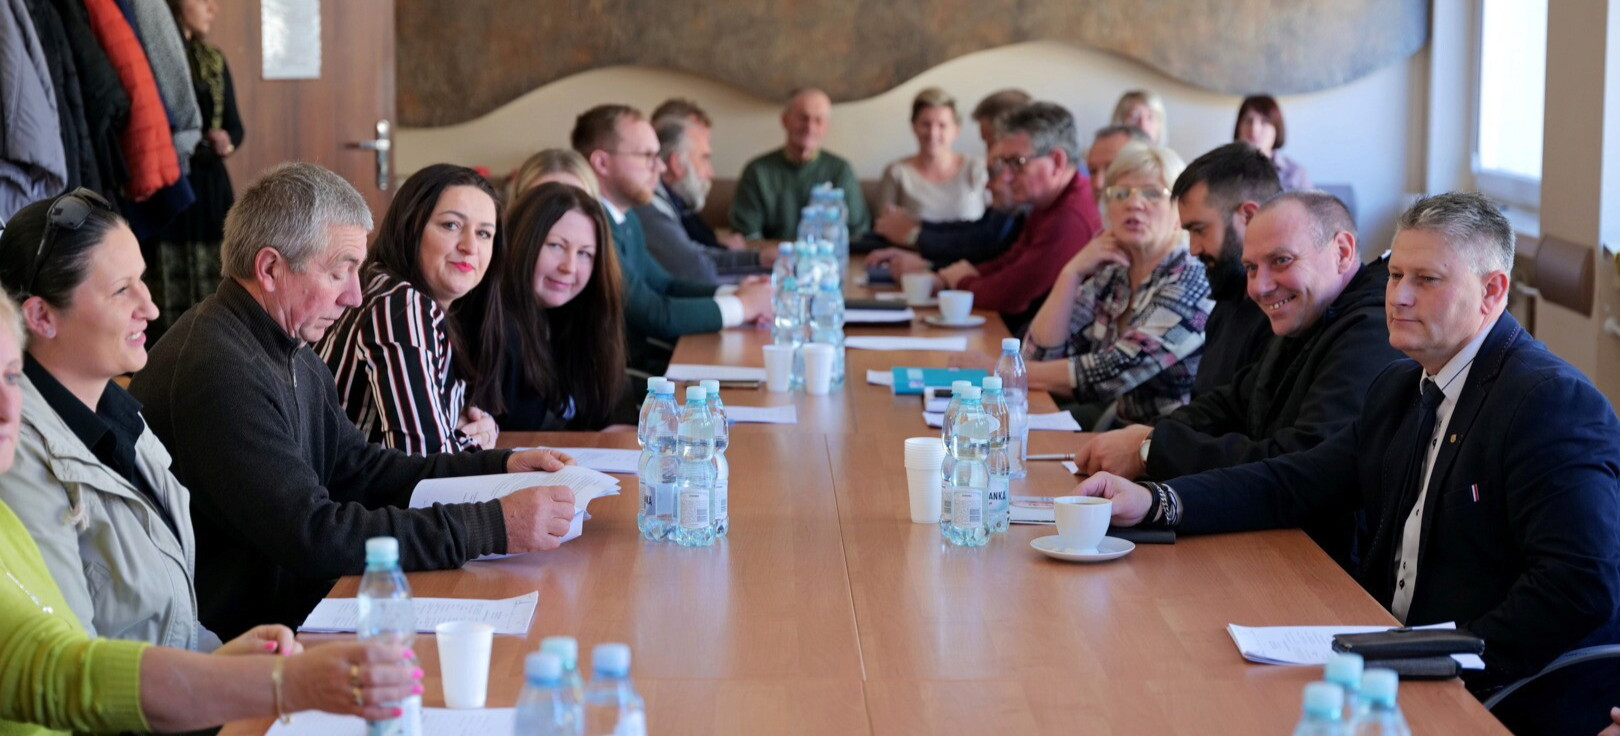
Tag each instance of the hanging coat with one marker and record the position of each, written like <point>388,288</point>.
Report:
<point>32,163</point>
<point>145,140</point>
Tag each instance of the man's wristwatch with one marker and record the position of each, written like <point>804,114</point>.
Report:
<point>1142,449</point>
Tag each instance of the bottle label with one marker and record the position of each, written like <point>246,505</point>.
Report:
<point>967,508</point>
<point>722,500</point>
<point>663,499</point>
<point>999,496</point>
<point>694,509</point>
<point>648,507</point>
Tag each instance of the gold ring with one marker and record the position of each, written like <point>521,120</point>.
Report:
<point>354,676</point>
<point>357,699</point>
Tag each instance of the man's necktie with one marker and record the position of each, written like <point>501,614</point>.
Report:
<point>1380,561</point>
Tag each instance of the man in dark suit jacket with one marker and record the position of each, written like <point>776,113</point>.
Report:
<point>683,146</point>
<point>1488,468</point>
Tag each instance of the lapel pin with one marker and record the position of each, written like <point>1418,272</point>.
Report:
<point>1453,439</point>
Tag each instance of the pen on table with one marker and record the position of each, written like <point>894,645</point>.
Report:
<point>1052,456</point>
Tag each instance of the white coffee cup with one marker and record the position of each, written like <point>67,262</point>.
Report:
<point>464,661</point>
<point>818,365</point>
<point>924,455</point>
<point>1082,521</point>
<point>917,287</point>
<point>778,367</point>
<point>955,306</point>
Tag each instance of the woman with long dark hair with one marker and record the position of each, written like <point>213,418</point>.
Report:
<point>563,297</point>
<point>409,371</point>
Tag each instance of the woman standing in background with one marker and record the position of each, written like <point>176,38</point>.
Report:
<point>1260,124</point>
<point>185,266</point>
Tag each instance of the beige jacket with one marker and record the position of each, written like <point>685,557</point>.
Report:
<point>121,569</point>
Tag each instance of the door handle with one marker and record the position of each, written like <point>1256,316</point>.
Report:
<point>381,146</point>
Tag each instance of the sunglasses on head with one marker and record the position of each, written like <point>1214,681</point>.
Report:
<point>68,212</point>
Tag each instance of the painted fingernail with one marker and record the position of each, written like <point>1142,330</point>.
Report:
<point>399,712</point>
<point>416,689</point>
<point>416,673</point>
<point>409,654</point>
<point>269,646</point>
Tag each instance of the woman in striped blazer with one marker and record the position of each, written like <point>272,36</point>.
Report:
<point>408,369</point>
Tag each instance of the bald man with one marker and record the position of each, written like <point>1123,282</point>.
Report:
<point>776,185</point>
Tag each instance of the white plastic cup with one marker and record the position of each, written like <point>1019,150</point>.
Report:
<point>926,453</point>
<point>923,485</point>
<point>955,306</point>
<point>917,287</point>
<point>464,662</point>
<point>778,368</point>
<point>1082,521</point>
<point>818,364</point>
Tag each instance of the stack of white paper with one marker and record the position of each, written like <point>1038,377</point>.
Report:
<point>878,316</point>
<point>605,459</point>
<point>784,414</point>
<point>586,483</point>
<point>880,378</point>
<point>1312,645</point>
<point>508,616</point>
<point>694,372</point>
<point>1057,421</point>
<point>435,721</point>
<point>872,342</point>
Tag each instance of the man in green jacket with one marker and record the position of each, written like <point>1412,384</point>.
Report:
<point>776,185</point>
<point>619,144</point>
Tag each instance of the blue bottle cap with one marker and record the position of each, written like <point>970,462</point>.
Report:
<point>992,383</point>
<point>1379,686</point>
<point>971,392</point>
<point>696,393</point>
<point>710,385</point>
<point>957,386</point>
<point>564,647</point>
<point>382,551</point>
<point>1344,670</point>
<point>1324,700</point>
<point>611,659</point>
<point>1009,343</point>
<point>542,668</point>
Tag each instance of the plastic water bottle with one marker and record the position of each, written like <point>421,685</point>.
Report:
<point>948,425</point>
<point>612,707</point>
<point>999,502</point>
<point>965,480</point>
<point>832,198</point>
<point>722,469</point>
<point>646,406</point>
<point>827,313</point>
<point>1382,717</point>
<point>1015,388</point>
<point>1323,703</point>
<point>567,650</point>
<point>787,302</point>
<point>547,706</point>
<point>386,614</point>
<point>1344,670</point>
<point>694,485</point>
<point>657,468</point>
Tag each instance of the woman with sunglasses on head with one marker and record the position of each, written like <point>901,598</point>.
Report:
<point>56,678</point>
<point>408,369</point>
<point>562,293</point>
<point>1124,325</point>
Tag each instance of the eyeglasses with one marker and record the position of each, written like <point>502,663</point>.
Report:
<point>650,158</point>
<point>1014,164</point>
<point>1149,194</point>
<point>68,212</point>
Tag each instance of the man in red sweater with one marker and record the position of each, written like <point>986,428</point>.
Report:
<point>1037,156</point>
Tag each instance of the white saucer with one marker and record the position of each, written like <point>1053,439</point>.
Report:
<point>938,320</point>
<point>1111,548</point>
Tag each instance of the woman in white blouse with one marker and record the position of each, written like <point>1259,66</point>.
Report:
<point>937,184</point>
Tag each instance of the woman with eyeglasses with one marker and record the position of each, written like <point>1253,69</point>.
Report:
<point>1260,124</point>
<point>1123,327</point>
<point>563,297</point>
<point>409,370</point>
<point>55,677</point>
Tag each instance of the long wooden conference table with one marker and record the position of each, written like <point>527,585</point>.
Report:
<point>827,611</point>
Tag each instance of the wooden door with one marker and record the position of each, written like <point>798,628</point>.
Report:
<point>317,120</point>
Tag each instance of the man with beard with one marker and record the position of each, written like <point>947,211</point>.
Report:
<point>1216,196</point>
<point>1327,312</point>
<point>622,150</point>
<point>683,146</point>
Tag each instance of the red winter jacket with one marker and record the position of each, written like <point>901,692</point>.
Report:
<point>148,147</point>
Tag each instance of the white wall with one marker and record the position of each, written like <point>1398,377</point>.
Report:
<point>1359,133</point>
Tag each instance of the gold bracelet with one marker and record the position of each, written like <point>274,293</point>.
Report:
<point>275,686</point>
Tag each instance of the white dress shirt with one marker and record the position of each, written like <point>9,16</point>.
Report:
<point>1451,379</point>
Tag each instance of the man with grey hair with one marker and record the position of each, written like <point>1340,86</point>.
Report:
<point>683,145</point>
<point>1487,469</point>
<point>1037,158</point>
<point>777,184</point>
<point>284,488</point>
